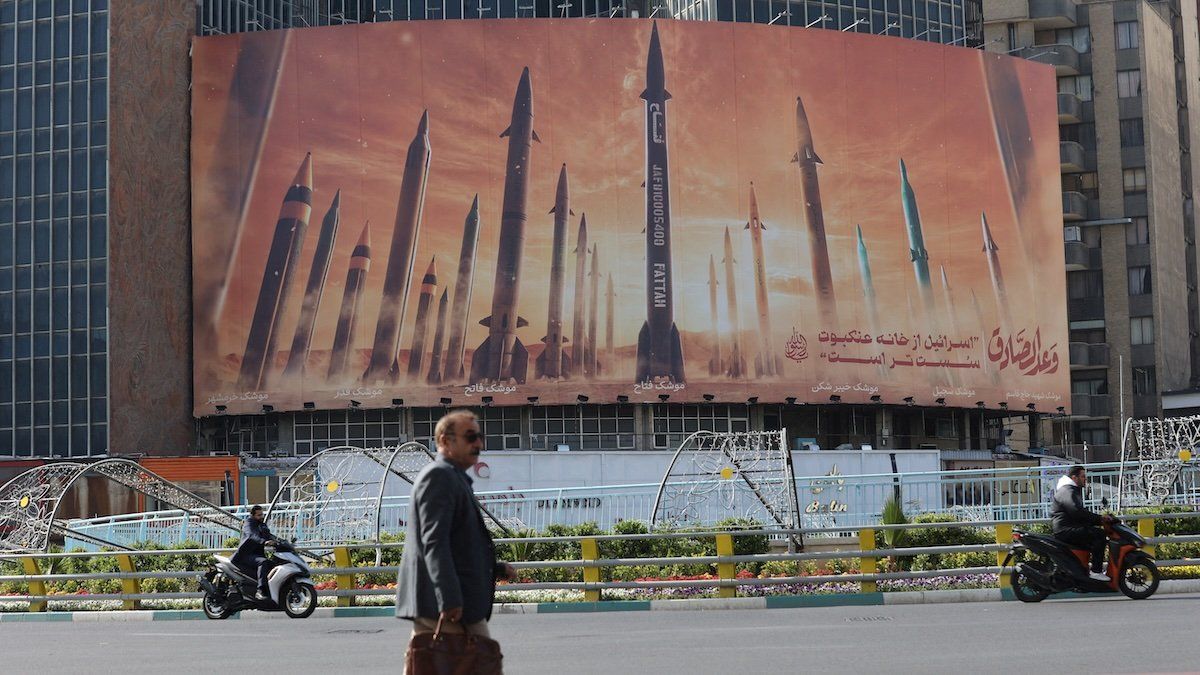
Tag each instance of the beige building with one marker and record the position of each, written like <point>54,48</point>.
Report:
<point>1128,85</point>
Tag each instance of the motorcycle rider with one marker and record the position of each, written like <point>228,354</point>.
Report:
<point>250,553</point>
<point>1073,524</point>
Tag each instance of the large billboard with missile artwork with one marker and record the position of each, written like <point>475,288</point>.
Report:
<point>467,212</point>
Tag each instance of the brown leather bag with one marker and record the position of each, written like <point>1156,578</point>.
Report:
<point>439,653</point>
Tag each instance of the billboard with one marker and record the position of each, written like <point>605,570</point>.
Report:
<point>462,212</point>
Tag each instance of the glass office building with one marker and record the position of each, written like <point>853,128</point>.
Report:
<point>53,228</point>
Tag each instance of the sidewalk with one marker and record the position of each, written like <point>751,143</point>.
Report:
<point>699,604</point>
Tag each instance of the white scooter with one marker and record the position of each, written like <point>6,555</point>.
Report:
<point>228,590</point>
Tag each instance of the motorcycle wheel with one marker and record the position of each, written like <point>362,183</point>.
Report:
<point>1024,588</point>
<point>299,600</point>
<point>216,608</point>
<point>1139,578</point>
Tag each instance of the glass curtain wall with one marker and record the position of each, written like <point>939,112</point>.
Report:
<point>53,228</point>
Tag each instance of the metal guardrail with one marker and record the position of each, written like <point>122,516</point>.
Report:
<point>1014,493</point>
<point>726,581</point>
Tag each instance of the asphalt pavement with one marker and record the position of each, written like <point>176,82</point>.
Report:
<point>1105,635</point>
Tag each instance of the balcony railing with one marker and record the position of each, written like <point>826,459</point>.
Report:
<point>1070,109</point>
<point>1053,14</point>
<point>1085,355</point>
<point>1074,206</point>
<point>1063,57</point>
<point>1071,157</point>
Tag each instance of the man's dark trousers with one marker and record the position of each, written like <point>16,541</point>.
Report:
<point>1091,538</point>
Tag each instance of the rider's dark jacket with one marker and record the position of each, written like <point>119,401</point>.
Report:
<point>254,535</point>
<point>1068,511</point>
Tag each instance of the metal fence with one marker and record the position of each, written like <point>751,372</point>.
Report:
<point>726,581</point>
<point>830,503</point>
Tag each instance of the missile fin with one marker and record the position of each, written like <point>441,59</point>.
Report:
<point>762,225</point>
<point>521,322</point>
<point>566,366</point>
<point>747,225</point>
<point>643,352</point>
<point>676,356</point>
<point>811,154</point>
<point>486,321</point>
<point>506,132</point>
<point>520,361</point>
<point>479,360</point>
<point>535,137</point>
<point>795,158</point>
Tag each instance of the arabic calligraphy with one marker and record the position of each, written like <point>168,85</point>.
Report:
<point>358,393</point>
<point>1024,353</point>
<point>957,391</point>
<point>914,341</point>
<point>842,388</point>
<point>222,399</point>
<point>1033,396</point>
<point>493,388</point>
<point>909,361</point>
<point>662,385</point>
<point>797,346</point>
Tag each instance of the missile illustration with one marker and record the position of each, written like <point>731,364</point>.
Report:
<point>993,258</point>
<point>398,276</point>
<point>314,290</point>
<point>916,240</point>
<point>714,363</point>
<point>462,296</point>
<point>806,160</point>
<point>347,325</point>
<point>550,363</point>
<point>868,284</point>
<point>948,300</point>
<point>767,363</point>
<point>593,310</point>
<point>416,355</point>
<point>868,287</point>
<point>439,338</point>
<point>501,357</point>
<point>577,312</point>
<point>988,366</point>
<point>608,328</point>
<point>659,350</point>
<point>737,362</point>
<point>282,260</point>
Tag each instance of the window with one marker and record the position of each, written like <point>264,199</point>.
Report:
<point>1134,180</point>
<point>1132,133</point>
<point>320,430</point>
<point>1084,134</point>
<point>586,427</point>
<point>1094,386</point>
<point>1141,330</point>
<point>1080,38</point>
<point>1080,85</point>
<point>1012,35</point>
<point>1085,284</point>
<point>1144,381</point>
<point>1085,183</point>
<point>1129,83</point>
<point>1138,232</point>
<point>674,422</point>
<point>1139,281</point>
<point>1093,432</point>
<point>1127,34</point>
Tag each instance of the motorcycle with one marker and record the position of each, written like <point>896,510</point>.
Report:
<point>228,589</point>
<point>1044,565</point>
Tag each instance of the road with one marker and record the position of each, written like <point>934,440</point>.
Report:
<point>1109,635</point>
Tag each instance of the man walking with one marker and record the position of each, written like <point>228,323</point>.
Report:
<point>448,570</point>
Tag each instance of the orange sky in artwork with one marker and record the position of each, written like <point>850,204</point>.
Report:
<point>353,95</point>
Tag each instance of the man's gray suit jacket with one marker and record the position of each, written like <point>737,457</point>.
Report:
<point>449,559</point>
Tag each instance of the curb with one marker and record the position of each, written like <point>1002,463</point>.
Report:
<point>697,604</point>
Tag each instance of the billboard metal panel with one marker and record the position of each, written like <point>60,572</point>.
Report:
<point>747,210</point>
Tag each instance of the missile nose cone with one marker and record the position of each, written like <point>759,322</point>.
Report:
<point>475,207</point>
<point>304,173</point>
<point>337,199</point>
<point>423,125</point>
<point>903,170</point>
<point>431,271</point>
<point>989,244</point>
<point>858,231</point>
<point>364,239</point>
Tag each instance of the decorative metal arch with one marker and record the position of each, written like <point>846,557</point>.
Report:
<point>749,473</point>
<point>29,502</point>
<point>1156,444</point>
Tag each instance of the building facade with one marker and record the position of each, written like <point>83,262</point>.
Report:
<point>1127,74</point>
<point>95,305</point>
<point>94,320</point>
